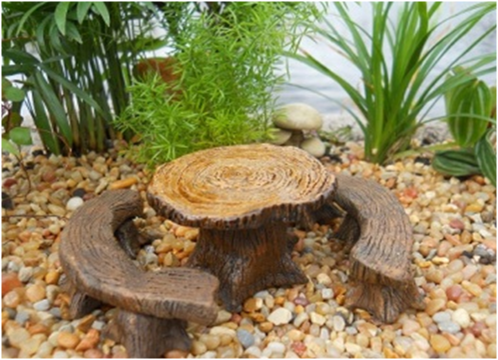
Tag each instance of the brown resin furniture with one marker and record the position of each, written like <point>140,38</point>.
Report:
<point>242,198</point>
<point>380,233</point>
<point>153,306</point>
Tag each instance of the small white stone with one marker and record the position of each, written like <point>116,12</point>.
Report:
<point>253,351</point>
<point>338,323</point>
<point>74,203</point>
<point>223,316</point>
<point>327,294</point>
<point>280,316</point>
<point>221,330</point>
<point>353,348</point>
<point>461,317</point>
<point>317,318</point>
<point>300,319</point>
<point>323,279</point>
<point>276,347</point>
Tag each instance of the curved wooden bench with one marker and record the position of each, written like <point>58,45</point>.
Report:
<point>153,306</point>
<point>381,234</point>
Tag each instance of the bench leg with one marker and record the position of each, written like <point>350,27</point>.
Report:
<point>146,336</point>
<point>80,304</point>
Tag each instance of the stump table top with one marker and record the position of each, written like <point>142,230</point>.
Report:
<point>241,186</point>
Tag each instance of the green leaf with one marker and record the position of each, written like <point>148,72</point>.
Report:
<point>60,16</point>
<point>55,107</point>
<point>20,57</point>
<point>9,147</point>
<point>486,158</point>
<point>21,136</point>
<point>26,15</point>
<point>461,162</point>
<point>82,10</point>
<point>101,9</point>
<point>14,94</point>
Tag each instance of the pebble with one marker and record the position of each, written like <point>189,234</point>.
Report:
<point>74,203</point>
<point>122,184</point>
<point>253,351</point>
<point>67,340</point>
<point>35,293</point>
<point>25,273</point>
<point>276,347</point>
<point>449,327</point>
<point>42,305</point>
<point>434,306</point>
<point>18,336</point>
<point>338,323</point>
<point>10,281</point>
<point>21,317</point>
<point>439,343</point>
<point>245,338</point>
<point>441,316</point>
<point>461,317</point>
<point>280,316</point>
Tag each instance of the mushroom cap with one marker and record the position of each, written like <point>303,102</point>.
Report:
<point>297,116</point>
<point>238,187</point>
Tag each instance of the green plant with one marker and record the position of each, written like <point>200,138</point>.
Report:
<point>471,109</point>
<point>396,94</point>
<point>14,135</point>
<point>75,59</point>
<point>225,58</point>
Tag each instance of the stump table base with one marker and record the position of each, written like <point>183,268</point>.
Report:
<point>247,261</point>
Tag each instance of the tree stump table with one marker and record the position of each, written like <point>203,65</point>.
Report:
<point>153,306</point>
<point>242,198</point>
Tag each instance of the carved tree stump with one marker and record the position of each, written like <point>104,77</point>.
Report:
<point>381,232</point>
<point>242,198</point>
<point>153,306</point>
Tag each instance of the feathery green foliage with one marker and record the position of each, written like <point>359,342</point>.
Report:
<point>225,59</point>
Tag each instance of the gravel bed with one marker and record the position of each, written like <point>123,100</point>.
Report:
<point>454,262</point>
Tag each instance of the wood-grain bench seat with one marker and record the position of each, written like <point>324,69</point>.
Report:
<point>380,233</point>
<point>153,306</point>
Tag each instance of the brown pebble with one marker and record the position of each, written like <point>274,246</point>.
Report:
<point>252,304</point>
<point>67,340</point>
<point>93,354</point>
<point>12,299</point>
<point>9,282</point>
<point>439,343</point>
<point>90,340</point>
<point>85,323</point>
<point>52,277</point>
<point>454,292</point>
<point>176,354</point>
<point>35,293</point>
<point>123,184</point>
<point>38,328</point>
<point>265,326</point>
<point>434,306</point>
<point>457,224</point>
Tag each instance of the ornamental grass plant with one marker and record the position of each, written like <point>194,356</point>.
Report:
<point>396,58</point>
<point>74,60</point>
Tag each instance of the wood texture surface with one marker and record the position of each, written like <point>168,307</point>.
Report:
<point>381,232</point>
<point>99,271</point>
<point>240,187</point>
<point>247,261</point>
